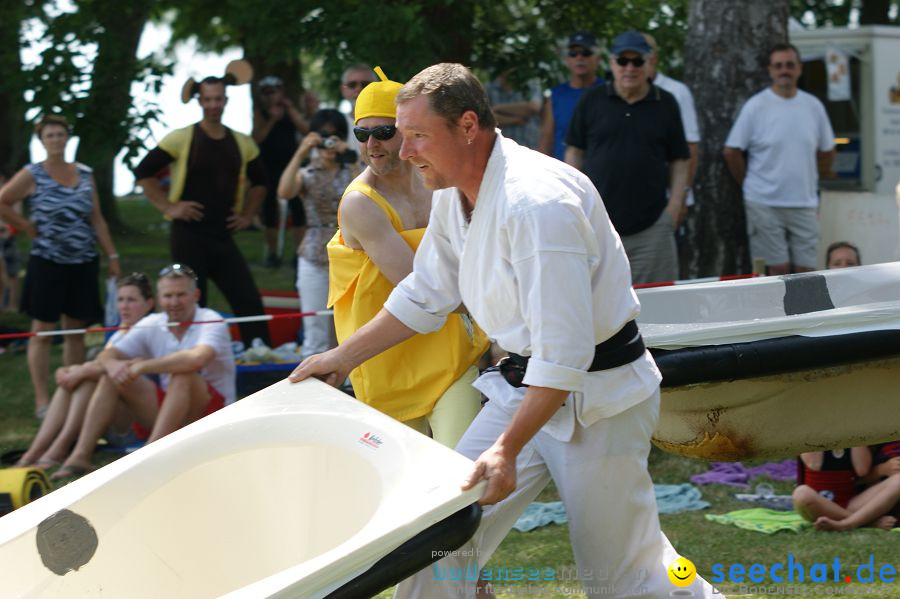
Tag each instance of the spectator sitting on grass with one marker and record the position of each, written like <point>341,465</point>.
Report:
<point>870,507</point>
<point>195,363</point>
<point>843,471</point>
<point>76,384</point>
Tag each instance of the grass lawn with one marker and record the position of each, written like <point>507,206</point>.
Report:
<point>703,542</point>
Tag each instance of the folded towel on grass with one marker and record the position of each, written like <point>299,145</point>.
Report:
<point>738,475</point>
<point>539,514</point>
<point>670,499</point>
<point>762,520</point>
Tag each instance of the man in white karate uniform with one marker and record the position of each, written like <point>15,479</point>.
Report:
<point>524,243</point>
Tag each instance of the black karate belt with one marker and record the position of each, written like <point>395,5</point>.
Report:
<point>624,347</point>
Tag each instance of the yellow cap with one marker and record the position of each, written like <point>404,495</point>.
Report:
<point>377,99</point>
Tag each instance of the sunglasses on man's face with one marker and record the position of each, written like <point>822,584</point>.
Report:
<point>623,61</point>
<point>356,84</point>
<point>178,270</point>
<point>584,53</point>
<point>381,133</point>
<point>790,65</point>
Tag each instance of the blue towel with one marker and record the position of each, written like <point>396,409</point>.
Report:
<point>540,514</point>
<point>670,499</point>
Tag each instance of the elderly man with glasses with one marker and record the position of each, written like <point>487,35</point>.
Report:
<point>187,345</point>
<point>627,136</point>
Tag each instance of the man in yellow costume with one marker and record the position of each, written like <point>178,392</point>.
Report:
<point>425,381</point>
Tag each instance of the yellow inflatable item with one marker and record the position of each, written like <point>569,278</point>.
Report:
<point>19,486</point>
<point>377,99</point>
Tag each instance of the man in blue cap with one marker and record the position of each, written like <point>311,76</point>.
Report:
<point>627,136</point>
<point>582,60</point>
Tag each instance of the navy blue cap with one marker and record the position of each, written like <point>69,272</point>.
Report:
<point>630,41</point>
<point>582,38</point>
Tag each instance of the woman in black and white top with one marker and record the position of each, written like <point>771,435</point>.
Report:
<point>66,225</point>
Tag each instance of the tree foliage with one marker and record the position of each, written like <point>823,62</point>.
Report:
<point>14,131</point>
<point>841,13</point>
<point>405,37</point>
<point>88,62</point>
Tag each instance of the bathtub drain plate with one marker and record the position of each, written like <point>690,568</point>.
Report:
<point>66,541</point>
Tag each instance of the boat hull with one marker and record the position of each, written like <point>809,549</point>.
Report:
<point>782,415</point>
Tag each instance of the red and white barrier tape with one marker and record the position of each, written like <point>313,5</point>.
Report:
<point>232,320</point>
<point>692,281</point>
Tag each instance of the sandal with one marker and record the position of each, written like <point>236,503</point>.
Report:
<point>46,463</point>
<point>71,471</point>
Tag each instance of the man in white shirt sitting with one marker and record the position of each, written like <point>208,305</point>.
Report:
<point>524,243</point>
<point>195,364</point>
<point>787,138</point>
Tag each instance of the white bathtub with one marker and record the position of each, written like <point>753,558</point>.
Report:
<point>291,492</point>
<point>774,366</point>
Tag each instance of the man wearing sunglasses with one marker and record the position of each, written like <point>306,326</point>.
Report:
<point>788,141</point>
<point>525,243</point>
<point>582,59</point>
<point>355,79</point>
<point>425,382</point>
<point>195,364</point>
<point>628,138</point>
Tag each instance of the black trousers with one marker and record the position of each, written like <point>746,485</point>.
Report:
<point>214,255</point>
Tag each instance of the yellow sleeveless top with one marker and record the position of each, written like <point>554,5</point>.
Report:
<point>405,381</point>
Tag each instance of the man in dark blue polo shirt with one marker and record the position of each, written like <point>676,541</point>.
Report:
<point>628,138</point>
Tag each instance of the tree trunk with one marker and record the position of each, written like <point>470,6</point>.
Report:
<point>102,129</point>
<point>454,20</point>
<point>725,56</point>
<point>14,131</point>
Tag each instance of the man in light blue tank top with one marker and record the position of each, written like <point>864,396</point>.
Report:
<point>582,60</point>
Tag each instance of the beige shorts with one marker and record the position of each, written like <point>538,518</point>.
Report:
<point>782,235</point>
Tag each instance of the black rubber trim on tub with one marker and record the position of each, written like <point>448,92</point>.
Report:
<point>413,555</point>
<point>736,361</point>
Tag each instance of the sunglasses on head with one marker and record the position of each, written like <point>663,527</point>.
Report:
<point>177,270</point>
<point>583,52</point>
<point>637,61</point>
<point>381,133</point>
<point>135,276</point>
<point>355,84</point>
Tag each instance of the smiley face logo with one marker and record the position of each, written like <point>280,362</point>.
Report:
<point>682,572</point>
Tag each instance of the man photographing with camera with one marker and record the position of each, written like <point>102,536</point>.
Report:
<point>319,172</point>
